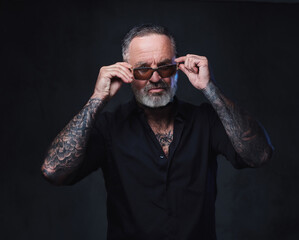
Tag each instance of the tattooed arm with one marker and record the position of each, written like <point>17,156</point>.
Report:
<point>247,136</point>
<point>67,151</point>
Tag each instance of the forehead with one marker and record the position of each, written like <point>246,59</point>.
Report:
<point>150,49</point>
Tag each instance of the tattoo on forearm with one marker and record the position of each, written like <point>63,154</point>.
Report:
<point>66,151</point>
<point>246,134</point>
<point>165,140</point>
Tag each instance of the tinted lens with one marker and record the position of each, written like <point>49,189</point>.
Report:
<point>167,71</point>
<point>143,73</point>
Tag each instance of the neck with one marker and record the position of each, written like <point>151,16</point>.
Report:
<point>160,115</point>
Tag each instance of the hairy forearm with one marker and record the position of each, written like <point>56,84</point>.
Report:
<point>248,137</point>
<point>68,148</point>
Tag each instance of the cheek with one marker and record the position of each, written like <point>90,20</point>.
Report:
<point>138,84</point>
<point>168,81</point>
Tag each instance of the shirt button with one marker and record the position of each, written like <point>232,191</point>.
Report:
<point>161,156</point>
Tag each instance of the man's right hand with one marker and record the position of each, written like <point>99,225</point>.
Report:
<point>110,79</point>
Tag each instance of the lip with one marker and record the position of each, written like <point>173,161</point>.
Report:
<point>155,90</point>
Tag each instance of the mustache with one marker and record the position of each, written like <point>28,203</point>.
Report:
<point>159,84</point>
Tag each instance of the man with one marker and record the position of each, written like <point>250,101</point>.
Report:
<point>157,153</point>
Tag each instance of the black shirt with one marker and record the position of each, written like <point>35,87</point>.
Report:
<point>150,196</point>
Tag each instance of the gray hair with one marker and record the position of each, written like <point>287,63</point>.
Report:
<point>144,30</point>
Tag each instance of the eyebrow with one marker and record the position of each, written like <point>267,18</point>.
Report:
<point>164,62</point>
<point>145,64</point>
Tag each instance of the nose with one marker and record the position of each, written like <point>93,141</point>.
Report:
<point>155,77</point>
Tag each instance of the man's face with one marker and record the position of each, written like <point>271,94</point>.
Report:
<point>152,51</point>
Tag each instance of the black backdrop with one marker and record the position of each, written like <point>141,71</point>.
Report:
<point>50,57</point>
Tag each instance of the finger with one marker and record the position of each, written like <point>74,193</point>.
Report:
<point>125,67</point>
<point>184,69</point>
<point>195,56</point>
<point>118,74</point>
<point>203,62</point>
<point>193,65</point>
<point>124,71</point>
<point>125,64</point>
<point>115,86</point>
<point>188,64</point>
<point>180,59</point>
<point>200,60</point>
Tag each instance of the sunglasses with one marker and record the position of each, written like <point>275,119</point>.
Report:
<point>145,73</point>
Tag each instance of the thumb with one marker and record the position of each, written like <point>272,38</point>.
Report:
<point>184,69</point>
<point>115,86</point>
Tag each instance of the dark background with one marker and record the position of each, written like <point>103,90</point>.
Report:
<point>51,53</point>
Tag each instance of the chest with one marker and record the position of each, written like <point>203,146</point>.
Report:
<point>135,155</point>
<point>164,135</point>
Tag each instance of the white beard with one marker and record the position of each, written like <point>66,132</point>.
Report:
<point>154,100</point>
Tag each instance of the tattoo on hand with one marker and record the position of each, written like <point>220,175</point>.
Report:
<point>66,151</point>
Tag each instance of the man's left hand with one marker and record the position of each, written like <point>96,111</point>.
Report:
<point>196,68</point>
